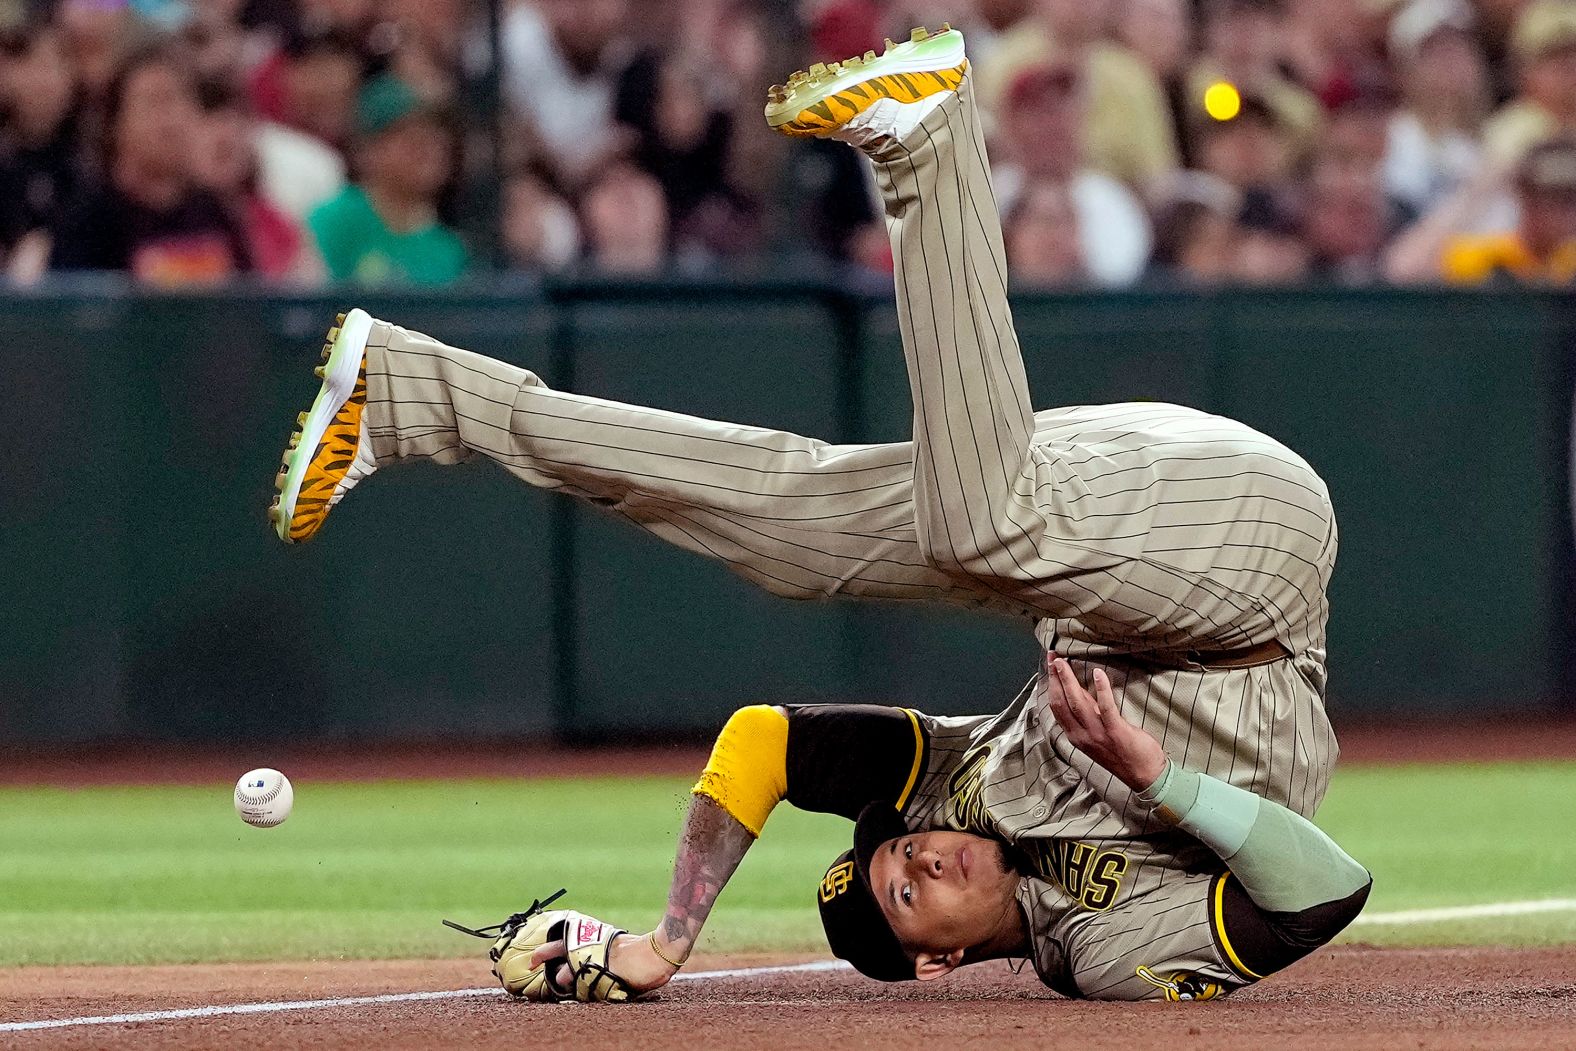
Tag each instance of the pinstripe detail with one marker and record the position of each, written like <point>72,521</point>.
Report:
<point>1121,529</point>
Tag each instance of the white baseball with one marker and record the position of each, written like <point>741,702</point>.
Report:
<point>264,797</point>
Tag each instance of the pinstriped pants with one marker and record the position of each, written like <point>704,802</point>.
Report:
<point>989,504</point>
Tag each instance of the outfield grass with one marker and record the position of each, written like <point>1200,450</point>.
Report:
<point>141,875</point>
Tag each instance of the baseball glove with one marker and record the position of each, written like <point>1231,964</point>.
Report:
<point>587,943</point>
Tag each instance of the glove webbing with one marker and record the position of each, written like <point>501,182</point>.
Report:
<point>512,924</point>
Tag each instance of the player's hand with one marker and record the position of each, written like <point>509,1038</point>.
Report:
<point>1095,725</point>
<point>632,959</point>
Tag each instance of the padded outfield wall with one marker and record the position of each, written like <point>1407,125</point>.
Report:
<point>145,596</point>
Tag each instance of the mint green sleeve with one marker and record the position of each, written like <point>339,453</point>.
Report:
<point>1283,860</point>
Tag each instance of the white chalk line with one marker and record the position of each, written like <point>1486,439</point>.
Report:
<point>1467,912</point>
<point>364,1001</point>
<point>1406,916</point>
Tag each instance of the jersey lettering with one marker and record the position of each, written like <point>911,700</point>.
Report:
<point>966,795</point>
<point>1090,876</point>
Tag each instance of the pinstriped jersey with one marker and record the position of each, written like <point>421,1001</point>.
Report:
<point>1113,890</point>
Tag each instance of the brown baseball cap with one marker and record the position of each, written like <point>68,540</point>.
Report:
<point>856,928</point>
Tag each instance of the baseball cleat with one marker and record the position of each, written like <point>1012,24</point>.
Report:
<point>872,97</point>
<point>329,452</point>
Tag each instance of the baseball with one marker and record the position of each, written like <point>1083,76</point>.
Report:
<point>263,797</point>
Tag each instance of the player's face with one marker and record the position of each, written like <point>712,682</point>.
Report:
<point>943,891</point>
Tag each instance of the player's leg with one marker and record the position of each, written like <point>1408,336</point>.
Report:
<point>912,112</point>
<point>793,514</point>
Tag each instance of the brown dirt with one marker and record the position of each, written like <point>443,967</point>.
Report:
<point>1413,741</point>
<point>1347,997</point>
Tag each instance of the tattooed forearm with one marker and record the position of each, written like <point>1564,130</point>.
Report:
<point>710,849</point>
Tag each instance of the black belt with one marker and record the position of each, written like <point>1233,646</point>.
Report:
<point>1210,660</point>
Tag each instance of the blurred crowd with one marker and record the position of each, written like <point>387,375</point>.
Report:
<point>191,142</point>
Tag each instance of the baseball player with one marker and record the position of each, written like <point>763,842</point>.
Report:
<point>1148,839</point>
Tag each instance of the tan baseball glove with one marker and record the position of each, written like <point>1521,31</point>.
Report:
<point>587,942</point>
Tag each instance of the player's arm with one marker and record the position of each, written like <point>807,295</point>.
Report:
<point>825,758</point>
<point>1290,889</point>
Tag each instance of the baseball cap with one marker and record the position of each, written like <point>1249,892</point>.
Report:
<point>1549,167</point>
<point>856,928</point>
<point>1421,19</point>
<point>1548,25</point>
<point>385,101</point>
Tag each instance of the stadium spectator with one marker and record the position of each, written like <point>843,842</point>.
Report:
<point>626,222</point>
<point>96,35</point>
<point>311,85</point>
<point>1336,48</point>
<point>540,230</point>
<point>1130,135</point>
<point>991,21</point>
<point>1432,141</point>
<point>1160,32</point>
<point>1540,250</point>
<point>40,145</point>
<point>1252,150</point>
<point>1042,233</point>
<point>226,164</point>
<point>215,42</point>
<point>1196,230</point>
<point>1543,50</point>
<point>1269,247</point>
<point>1346,220</point>
<point>1043,125</point>
<point>684,140</point>
<point>385,228</point>
<point>1245,46</point>
<point>563,62</point>
<point>147,216</point>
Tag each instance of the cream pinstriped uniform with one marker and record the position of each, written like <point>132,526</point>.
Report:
<point>1132,533</point>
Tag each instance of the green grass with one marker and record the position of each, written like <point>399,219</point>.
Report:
<point>170,874</point>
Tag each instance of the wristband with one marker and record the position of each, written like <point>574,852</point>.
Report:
<point>675,964</point>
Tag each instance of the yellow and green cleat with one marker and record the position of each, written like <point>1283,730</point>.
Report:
<point>326,455</point>
<point>829,99</point>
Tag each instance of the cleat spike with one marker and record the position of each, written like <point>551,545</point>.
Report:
<point>279,481</point>
<point>301,420</point>
<point>777,94</point>
<point>946,27</point>
<point>889,44</point>
<point>274,513</point>
<point>919,35</point>
<point>339,319</point>
<point>320,372</point>
<point>328,349</point>
<point>818,70</point>
<point>870,56</point>
<point>333,334</point>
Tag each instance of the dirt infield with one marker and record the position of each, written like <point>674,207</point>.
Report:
<point>1348,997</point>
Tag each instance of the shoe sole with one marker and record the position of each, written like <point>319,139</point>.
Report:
<point>818,102</point>
<point>321,452</point>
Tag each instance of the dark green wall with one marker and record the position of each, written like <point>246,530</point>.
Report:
<point>145,595</point>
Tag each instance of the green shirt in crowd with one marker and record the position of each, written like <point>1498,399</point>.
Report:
<point>357,246</point>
